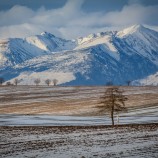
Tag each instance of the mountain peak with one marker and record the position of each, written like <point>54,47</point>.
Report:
<point>47,34</point>
<point>131,30</point>
<point>136,28</point>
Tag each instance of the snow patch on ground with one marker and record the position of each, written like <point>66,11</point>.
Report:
<point>28,78</point>
<point>136,141</point>
<point>49,120</point>
<point>150,80</point>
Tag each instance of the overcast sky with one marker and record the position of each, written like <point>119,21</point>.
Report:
<point>73,18</point>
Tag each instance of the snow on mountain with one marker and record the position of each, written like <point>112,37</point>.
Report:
<point>97,39</point>
<point>15,50</point>
<point>61,66</point>
<point>51,43</point>
<point>149,80</point>
<point>130,54</point>
<point>92,37</point>
<point>104,39</point>
<point>140,40</point>
<point>28,78</point>
<point>130,31</point>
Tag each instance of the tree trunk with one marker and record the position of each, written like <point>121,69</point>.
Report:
<point>112,115</point>
<point>112,110</point>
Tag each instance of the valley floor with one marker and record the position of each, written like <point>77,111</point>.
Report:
<point>127,141</point>
<point>74,101</point>
<point>52,122</point>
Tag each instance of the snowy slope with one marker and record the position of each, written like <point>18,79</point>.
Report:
<point>89,66</point>
<point>51,43</point>
<point>140,40</point>
<point>14,51</point>
<point>149,80</point>
<point>61,66</point>
<point>104,39</point>
<point>130,54</point>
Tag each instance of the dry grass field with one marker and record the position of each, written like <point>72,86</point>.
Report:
<point>76,101</point>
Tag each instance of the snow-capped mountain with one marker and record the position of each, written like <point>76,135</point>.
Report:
<point>130,54</point>
<point>48,42</point>
<point>140,40</point>
<point>15,51</point>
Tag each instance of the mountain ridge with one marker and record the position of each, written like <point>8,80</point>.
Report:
<point>117,56</point>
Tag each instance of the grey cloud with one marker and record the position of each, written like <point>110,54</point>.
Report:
<point>70,21</point>
<point>16,15</point>
<point>134,13</point>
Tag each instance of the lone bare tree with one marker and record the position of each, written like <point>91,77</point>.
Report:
<point>37,81</point>
<point>113,101</point>
<point>55,81</point>
<point>16,81</point>
<point>109,83</point>
<point>1,80</point>
<point>48,81</point>
<point>128,82</point>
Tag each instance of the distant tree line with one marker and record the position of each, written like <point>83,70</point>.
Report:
<point>36,82</point>
<point>110,83</point>
<point>47,81</point>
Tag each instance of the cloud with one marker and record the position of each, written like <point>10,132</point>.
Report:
<point>134,2</point>
<point>134,13</point>
<point>71,21</point>
<point>16,15</point>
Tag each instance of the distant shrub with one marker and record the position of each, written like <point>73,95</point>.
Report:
<point>37,81</point>
<point>55,81</point>
<point>9,84</point>
<point>48,82</point>
<point>1,80</point>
